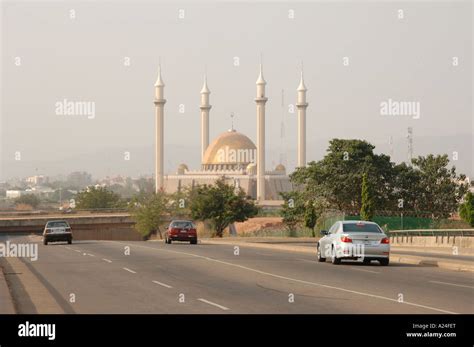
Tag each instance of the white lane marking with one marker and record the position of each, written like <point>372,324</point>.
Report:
<point>90,255</point>
<point>298,280</point>
<point>452,284</point>
<point>127,269</point>
<point>107,260</point>
<point>213,304</point>
<point>162,284</point>
<point>68,247</point>
<point>76,250</point>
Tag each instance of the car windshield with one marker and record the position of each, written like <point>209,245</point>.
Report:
<point>182,225</point>
<point>361,227</point>
<point>57,224</point>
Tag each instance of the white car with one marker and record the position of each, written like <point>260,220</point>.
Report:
<point>354,240</point>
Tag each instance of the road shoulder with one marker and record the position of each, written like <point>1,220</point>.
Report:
<point>6,299</point>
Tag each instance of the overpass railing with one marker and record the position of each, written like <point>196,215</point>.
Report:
<point>433,232</point>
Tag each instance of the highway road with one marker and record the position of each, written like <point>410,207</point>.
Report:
<point>103,277</point>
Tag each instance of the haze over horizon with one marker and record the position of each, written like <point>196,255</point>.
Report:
<point>84,59</point>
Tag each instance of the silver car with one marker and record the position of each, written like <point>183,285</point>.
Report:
<point>354,240</point>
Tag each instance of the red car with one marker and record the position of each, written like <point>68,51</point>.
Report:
<point>181,230</point>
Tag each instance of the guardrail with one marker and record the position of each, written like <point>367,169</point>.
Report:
<point>433,232</point>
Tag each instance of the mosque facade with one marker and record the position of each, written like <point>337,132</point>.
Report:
<point>232,155</point>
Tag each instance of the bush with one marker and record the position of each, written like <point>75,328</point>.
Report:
<point>98,197</point>
<point>149,212</point>
<point>466,211</point>
<point>28,199</point>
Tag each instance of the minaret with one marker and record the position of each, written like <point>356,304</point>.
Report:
<point>261,100</point>
<point>301,104</point>
<point>205,108</point>
<point>159,135</point>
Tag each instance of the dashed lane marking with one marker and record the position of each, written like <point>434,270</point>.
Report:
<point>298,280</point>
<point>452,284</point>
<point>213,304</point>
<point>162,284</point>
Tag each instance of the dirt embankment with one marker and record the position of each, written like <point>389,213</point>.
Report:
<point>258,224</point>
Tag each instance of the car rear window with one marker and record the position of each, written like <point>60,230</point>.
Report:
<point>362,227</point>
<point>57,225</point>
<point>182,225</point>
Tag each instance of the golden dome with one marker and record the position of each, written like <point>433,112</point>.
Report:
<point>232,148</point>
<point>280,167</point>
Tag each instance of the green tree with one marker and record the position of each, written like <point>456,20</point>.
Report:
<point>310,218</point>
<point>466,210</point>
<point>293,210</point>
<point>150,212</point>
<point>338,176</point>
<point>221,204</point>
<point>367,208</point>
<point>28,199</point>
<point>179,206</point>
<point>407,188</point>
<point>439,189</point>
<point>98,197</point>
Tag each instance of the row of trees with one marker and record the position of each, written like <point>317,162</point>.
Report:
<point>353,179</point>
<point>219,204</point>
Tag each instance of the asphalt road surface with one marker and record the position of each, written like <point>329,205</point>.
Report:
<point>153,277</point>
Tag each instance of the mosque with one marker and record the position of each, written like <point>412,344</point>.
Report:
<point>232,155</point>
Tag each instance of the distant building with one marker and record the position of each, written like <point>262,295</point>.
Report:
<point>116,180</point>
<point>42,191</point>
<point>13,194</point>
<point>37,180</point>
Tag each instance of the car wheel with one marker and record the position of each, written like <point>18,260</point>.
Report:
<point>45,242</point>
<point>169,241</point>
<point>320,258</point>
<point>334,259</point>
<point>69,241</point>
<point>384,262</point>
<point>193,242</point>
<point>366,261</point>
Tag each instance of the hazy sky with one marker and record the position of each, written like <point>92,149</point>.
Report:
<point>47,57</point>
